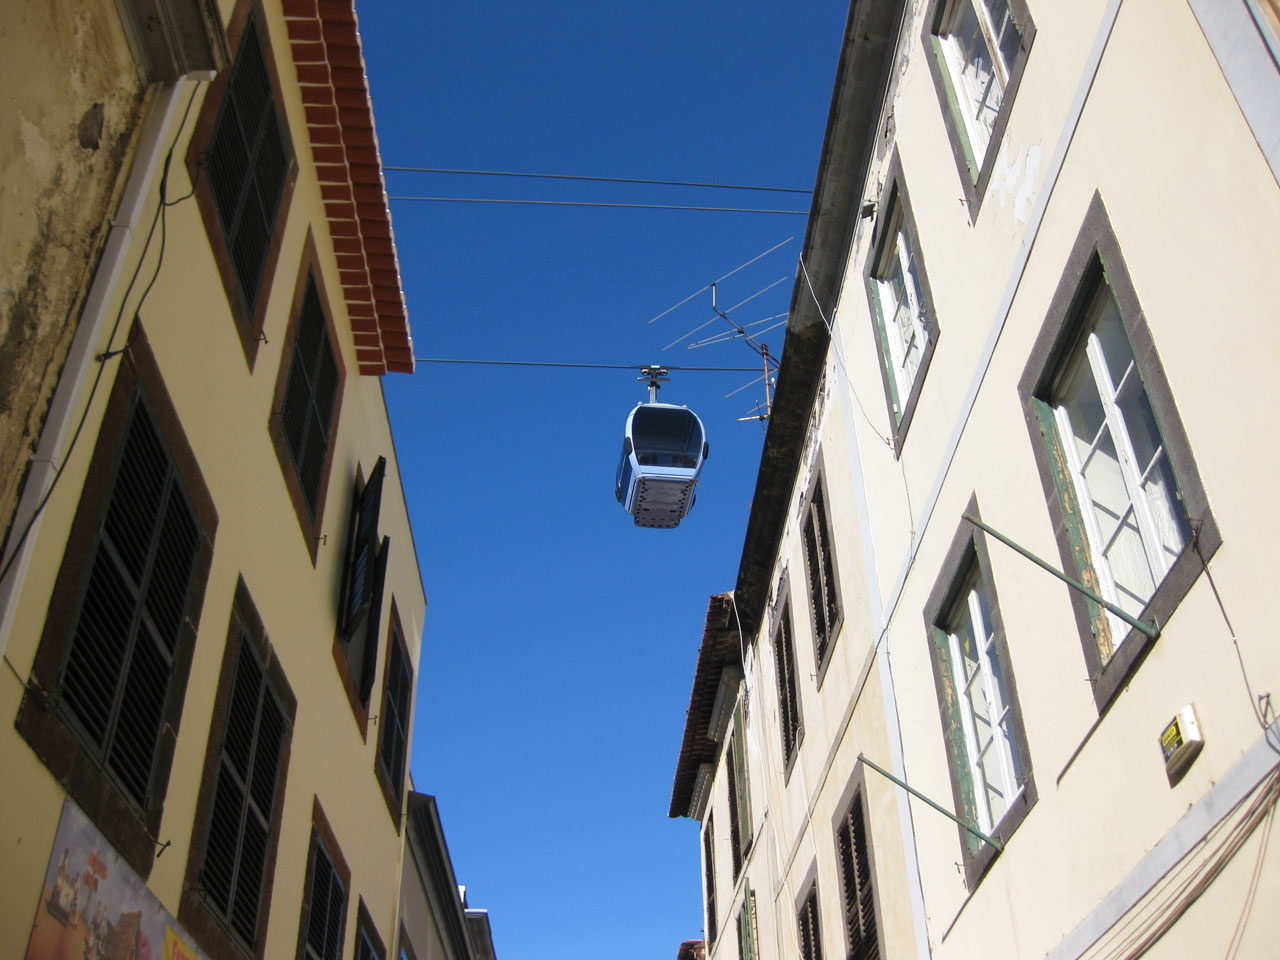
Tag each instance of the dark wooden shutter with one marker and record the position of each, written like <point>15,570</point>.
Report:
<point>327,907</point>
<point>709,878</point>
<point>820,567</point>
<point>373,621</point>
<point>788,696</point>
<point>120,663</point>
<point>742,789</point>
<point>747,927</point>
<point>361,564</point>
<point>364,948</point>
<point>309,397</point>
<point>855,882</point>
<point>395,714</point>
<point>240,824</point>
<point>810,938</point>
<point>247,164</point>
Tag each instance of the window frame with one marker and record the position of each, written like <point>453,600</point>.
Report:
<point>359,685</point>
<point>895,221</point>
<point>309,272</point>
<point>966,558</point>
<point>790,720</point>
<point>395,797</point>
<point>1096,259</point>
<point>975,172</point>
<point>130,827</point>
<point>322,838</point>
<point>248,318</point>
<point>816,524</point>
<point>205,923</point>
<point>740,832</point>
<point>809,924</point>
<point>709,881</point>
<point>855,794</point>
<point>367,930</point>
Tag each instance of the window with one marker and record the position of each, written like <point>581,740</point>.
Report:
<point>307,401</point>
<point>986,747</point>
<point>810,935</point>
<point>979,51</point>
<point>363,580</point>
<point>902,310</point>
<point>368,944</point>
<point>740,834</point>
<point>822,573</point>
<point>747,927</point>
<point>709,878</point>
<point>241,163</point>
<point>1129,510</point>
<point>788,698</point>
<point>118,638</point>
<point>855,883</point>
<point>324,904</point>
<point>237,821</point>
<point>397,701</point>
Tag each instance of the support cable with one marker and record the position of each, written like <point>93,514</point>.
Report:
<point>563,176</point>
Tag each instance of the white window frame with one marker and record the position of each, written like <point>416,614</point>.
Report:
<point>1091,352</point>
<point>899,257</point>
<point>957,59</point>
<point>969,605</point>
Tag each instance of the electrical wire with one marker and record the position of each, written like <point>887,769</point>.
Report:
<point>586,203</point>
<point>563,176</point>
<point>108,353</point>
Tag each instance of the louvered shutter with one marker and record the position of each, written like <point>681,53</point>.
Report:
<point>855,881</point>
<point>328,908</point>
<point>742,789</point>
<point>788,696</point>
<point>309,397</point>
<point>240,823</point>
<point>247,165</point>
<point>395,715</point>
<point>810,939</point>
<point>120,662</point>
<point>364,549</point>
<point>709,878</point>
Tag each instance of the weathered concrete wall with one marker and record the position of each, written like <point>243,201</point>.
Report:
<point>70,101</point>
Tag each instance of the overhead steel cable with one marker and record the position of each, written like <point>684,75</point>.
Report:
<point>725,277</point>
<point>586,203</point>
<point>586,366</point>
<point>565,176</point>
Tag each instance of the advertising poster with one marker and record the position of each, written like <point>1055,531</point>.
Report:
<point>94,907</point>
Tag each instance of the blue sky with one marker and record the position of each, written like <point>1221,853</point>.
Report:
<point>561,639</point>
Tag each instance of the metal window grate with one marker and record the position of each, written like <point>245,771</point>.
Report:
<point>115,682</point>
<point>247,164</point>
<point>309,397</point>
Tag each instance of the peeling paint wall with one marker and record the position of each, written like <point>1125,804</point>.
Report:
<point>70,101</point>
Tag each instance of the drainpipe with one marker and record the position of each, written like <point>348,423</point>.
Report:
<point>68,396</point>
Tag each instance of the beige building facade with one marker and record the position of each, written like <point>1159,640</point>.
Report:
<point>210,608</point>
<point>1037,232</point>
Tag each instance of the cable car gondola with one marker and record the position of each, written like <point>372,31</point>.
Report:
<point>662,456</point>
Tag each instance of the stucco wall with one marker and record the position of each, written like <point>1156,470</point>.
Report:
<point>70,100</point>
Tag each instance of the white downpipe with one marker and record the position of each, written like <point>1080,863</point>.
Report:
<point>65,408</point>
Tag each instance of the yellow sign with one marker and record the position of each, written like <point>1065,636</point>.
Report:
<point>176,948</point>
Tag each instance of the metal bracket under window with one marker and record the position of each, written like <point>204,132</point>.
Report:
<point>1151,629</point>
<point>941,809</point>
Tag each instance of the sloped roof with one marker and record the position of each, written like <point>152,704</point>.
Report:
<point>324,38</point>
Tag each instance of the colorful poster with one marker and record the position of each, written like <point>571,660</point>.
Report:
<point>94,907</point>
